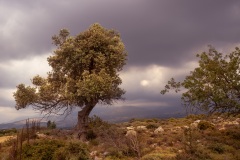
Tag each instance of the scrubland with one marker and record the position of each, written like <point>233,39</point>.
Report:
<point>196,137</point>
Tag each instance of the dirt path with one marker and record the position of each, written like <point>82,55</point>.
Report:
<point>4,138</point>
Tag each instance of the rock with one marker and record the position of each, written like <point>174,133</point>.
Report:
<point>195,124</point>
<point>230,123</point>
<point>185,127</point>
<point>197,121</point>
<point>130,128</point>
<point>235,123</point>
<point>97,158</point>
<point>141,128</point>
<point>237,120</point>
<point>180,151</point>
<point>93,153</point>
<point>106,153</point>
<point>222,128</point>
<point>154,145</point>
<point>131,133</point>
<point>40,135</point>
<point>158,130</point>
<point>177,128</point>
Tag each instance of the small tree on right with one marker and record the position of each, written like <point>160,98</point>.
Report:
<point>214,86</point>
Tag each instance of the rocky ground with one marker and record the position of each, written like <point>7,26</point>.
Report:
<point>192,137</point>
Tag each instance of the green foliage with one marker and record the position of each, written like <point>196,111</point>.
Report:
<point>51,125</point>
<point>78,149</point>
<point>42,150</point>
<point>214,85</point>
<point>84,71</point>
<point>55,150</point>
<point>4,132</point>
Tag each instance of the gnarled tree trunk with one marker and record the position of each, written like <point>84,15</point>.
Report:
<point>82,124</point>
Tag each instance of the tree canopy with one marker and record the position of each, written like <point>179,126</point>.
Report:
<point>84,72</point>
<point>214,86</point>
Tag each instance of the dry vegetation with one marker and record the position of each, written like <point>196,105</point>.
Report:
<point>5,138</point>
<point>193,137</point>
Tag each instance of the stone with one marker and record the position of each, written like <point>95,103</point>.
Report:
<point>131,133</point>
<point>97,158</point>
<point>141,128</point>
<point>93,153</point>
<point>130,128</point>
<point>158,130</point>
<point>195,124</point>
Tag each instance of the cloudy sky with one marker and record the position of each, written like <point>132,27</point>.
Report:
<point>162,38</point>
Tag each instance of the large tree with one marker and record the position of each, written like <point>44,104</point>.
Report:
<point>214,86</point>
<point>84,72</point>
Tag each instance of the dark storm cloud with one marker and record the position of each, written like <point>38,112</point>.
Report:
<point>166,33</point>
<point>154,32</point>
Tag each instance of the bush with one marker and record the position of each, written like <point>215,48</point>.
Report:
<point>152,126</point>
<point>60,154</point>
<point>4,132</point>
<point>217,148</point>
<point>233,133</point>
<point>51,125</point>
<point>79,150</point>
<point>90,135</point>
<point>203,125</point>
<point>41,149</point>
<point>55,150</point>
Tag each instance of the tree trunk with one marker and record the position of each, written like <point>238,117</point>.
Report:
<point>82,124</point>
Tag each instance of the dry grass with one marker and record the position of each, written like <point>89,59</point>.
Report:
<point>5,138</point>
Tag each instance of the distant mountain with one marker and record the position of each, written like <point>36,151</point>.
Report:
<point>21,123</point>
<point>110,114</point>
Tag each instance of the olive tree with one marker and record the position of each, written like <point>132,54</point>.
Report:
<point>214,86</point>
<point>85,72</point>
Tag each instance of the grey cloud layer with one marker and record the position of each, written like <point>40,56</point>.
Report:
<point>155,32</point>
<point>162,32</point>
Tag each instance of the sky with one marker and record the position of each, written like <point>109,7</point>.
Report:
<point>162,38</point>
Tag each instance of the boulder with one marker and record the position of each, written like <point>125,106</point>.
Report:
<point>185,127</point>
<point>141,128</point>
<point>130,128</point>
<point>195,124</point>
<point>158,130</point>
<point>131,133</point>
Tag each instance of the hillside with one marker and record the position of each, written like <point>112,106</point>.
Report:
<point>193,137</point>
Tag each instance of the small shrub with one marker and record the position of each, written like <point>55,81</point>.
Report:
<point>51,125</point>
<point>152,126</point>
<point>90,135</point>
<point>60,154</point>
<point>152,157</point>
<point>43,149</point>
<point>94,142</point>
<point>217,148</point>
<point>79,150</point>
<point>9,142</point>
<point>233,133</point>
<point>114,152</point>
<point>203,125</point>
